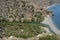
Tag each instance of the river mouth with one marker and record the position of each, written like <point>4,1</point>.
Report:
<point>56,18</point>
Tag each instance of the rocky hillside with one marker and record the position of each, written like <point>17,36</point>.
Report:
<point>19,10</point>
<point>45,2</point>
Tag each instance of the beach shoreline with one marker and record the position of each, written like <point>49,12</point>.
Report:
<point>52,26</point>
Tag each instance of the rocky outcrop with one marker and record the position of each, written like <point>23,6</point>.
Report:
<point>16,10</point>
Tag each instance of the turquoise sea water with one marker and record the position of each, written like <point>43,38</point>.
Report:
<point>56,18</point>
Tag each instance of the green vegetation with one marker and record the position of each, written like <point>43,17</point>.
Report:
<point>23,30</point>
<point>40,19</point>
<point>53,37</point>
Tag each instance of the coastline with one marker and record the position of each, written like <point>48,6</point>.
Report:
<point>49,6</point>
<point>52,26</point>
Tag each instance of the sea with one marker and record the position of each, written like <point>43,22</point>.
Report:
<point>56,11</point>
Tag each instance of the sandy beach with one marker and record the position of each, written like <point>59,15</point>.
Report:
<point>52,26</point>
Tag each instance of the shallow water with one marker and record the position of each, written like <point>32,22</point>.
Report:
<point>56,18</point>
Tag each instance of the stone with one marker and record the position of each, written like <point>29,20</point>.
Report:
<point>10,19</point>
<point>12,38</point>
